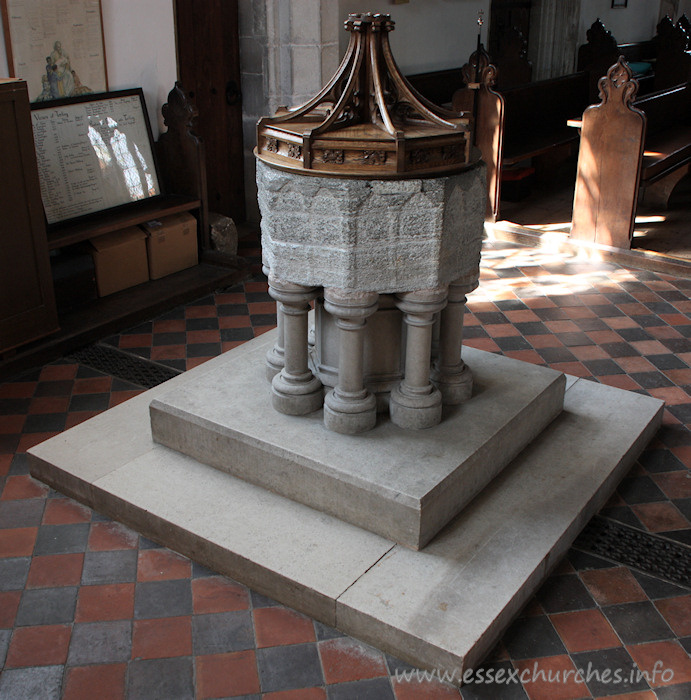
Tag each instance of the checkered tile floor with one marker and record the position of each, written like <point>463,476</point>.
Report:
<point>90,609</point>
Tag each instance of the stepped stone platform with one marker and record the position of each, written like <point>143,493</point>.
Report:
<point>402,484</point>
<point>442,607</point>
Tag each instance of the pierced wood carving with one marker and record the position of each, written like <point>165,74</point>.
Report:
<point>368,118</point>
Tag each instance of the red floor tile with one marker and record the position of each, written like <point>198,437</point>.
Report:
<point>345,659</point>
<point>18,542</point>
<point>143,340</point>
<point>525,356</point>
<point>260,330</point>
<point>620,381</point>
<point>660,517</point>
<point>575,368</point>
<point>218,594</point>
<point>227,675</point>
<point>107,536</point>
<point>49,404</point>
<point>674,484</point>
<point>118,397</point>
<point>671,395</point>
<point>677,612</point>
<point>42,645</point>
<point>231,298</point>
<point>53,570</point>
<point>102,681</point>
<point>168,352</point>
<point>63,511</point>
<point>77,417</point>
<point>588,352</point>
<point>613,586</point>
<point>162,638</point>
<point>23,486</point>
<point>113,601</point>
<point>193,362</point>
<point>177,325</point>
<point>275,626</point>
<point>234,322</point>
<point>30,440</point>
<point>200,312</point>
<point>92,385</point>
<point>161,565</point>
<point>673,663</point>
<point>482,344</point>
<point>502,330</point>
<point>17,390</point>
<point>9,603</point>
<point>5,463</point>
<point>209,336</point>
<point>584,630</point>
<point>52,373</point>
<point>230,344</point>
<point>11,424</point>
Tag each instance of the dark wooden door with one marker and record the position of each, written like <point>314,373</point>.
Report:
<point>27,302</point>
<point>509,34</point>
<point>209,70</point>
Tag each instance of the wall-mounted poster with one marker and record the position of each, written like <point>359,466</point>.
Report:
<point>93,153</point>
<point>56,46</point>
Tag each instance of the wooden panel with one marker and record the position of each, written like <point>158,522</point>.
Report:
<point>609,164</point>
<point>27,305</point>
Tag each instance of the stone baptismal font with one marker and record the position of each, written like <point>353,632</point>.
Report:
<point>372,202</point>
<point>376,484</point>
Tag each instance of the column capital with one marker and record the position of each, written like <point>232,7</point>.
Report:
<point>290,293</point>
<point>422,301</point>
<point>350,304</point>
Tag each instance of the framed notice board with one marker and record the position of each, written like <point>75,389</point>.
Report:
<point>94,153</point>
<point>56,46</point>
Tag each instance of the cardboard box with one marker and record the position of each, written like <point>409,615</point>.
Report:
<point>120,260</point>
<point>171,244</point>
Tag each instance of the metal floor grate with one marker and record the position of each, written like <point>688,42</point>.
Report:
<point>650,554</point>
<point>131,368</point>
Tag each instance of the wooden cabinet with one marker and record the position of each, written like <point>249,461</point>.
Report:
<point>27,304</point>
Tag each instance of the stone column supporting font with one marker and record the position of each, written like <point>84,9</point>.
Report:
<point>449,373</point>
<point>294,390</point>
<point>415,403</point>
<point>275,357</point>
<point>350,408</point>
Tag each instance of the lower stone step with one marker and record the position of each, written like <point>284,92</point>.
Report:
<point>443,607</point>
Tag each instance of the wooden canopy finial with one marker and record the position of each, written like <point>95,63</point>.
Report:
<point>368,120</point>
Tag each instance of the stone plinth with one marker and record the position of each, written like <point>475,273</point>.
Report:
<point>400,484</point>
<point>442,608</point>
<point>371,235</point>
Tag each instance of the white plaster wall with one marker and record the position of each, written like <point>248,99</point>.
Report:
<point>429,35</point>
<point>637,22</point>
<point>140,49</point>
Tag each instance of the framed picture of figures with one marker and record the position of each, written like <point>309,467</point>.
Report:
<point>56,46</point>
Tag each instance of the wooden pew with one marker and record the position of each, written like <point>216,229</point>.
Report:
<point>673,63</point>
<point>626,144</point>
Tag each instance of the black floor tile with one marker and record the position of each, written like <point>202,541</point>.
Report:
<point>47,606</point>
<point>660,460</point>
<point>89,402</point>
<point>174,338</point>
<point>169,679</point>
<point>622,514</point>
<point>633,335</point>
<point>532,328</point>
<point>619,350</point>
<point>203,349</point>
<point>574,339</point>
<point>202,324</point>
<point>640,489</point>
<point>13,573</point>
<point>510,305</point>
<point>31,683</point>
<point>220,633</point>
<point>636,623</point>
<point>100,643</point>
<point>681,411</point>
<point>648,320</point>
<point>263,319</point>
<point>371,689</point>
<point>289,667</point>
<point>254,297</point>
<point>669,361</point>
<point>14,407</point>
<point>26,512</point>
<point>325,632</point>
<point>229,334</point>
<point>582,561</point>
<point>163,599</point>
<point>233,310</point>
<point>532,637</point>
<point>603,368</point>
<point>116,566</point>
<point>61,539</point>
<point>681,691</point>
<point>490,317</point>
<point>609,672</point>
<point>651,380</point>
<point>563,594</point>
<point>513,342</point>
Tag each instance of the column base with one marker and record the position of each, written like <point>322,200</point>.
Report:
<point>454,388</point>
<point>415,412</point>
<point>350,416</point>
<point>296,398</point>
<point>275,362</point>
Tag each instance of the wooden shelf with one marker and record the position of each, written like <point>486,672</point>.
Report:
<point>98,225</point>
